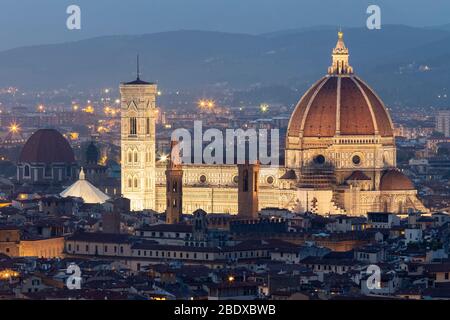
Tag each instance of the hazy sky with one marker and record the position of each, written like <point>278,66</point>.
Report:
<point>28,22</point>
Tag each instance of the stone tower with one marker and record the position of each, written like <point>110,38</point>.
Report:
<point>138,112</point>
<point>174,183</point>
<point>248,190</point>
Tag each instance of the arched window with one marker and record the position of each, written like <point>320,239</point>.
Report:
<point>130,183</point>
<point>130,157</point>
<point>26,171</point>
<point>136,156</point>
<point>136,185</point>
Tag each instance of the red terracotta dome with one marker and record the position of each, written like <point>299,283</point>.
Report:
<point>394,180</point>
<point>340,104</point>
<point>47,146</point>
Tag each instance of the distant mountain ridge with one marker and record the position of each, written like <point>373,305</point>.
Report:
<point>406,65</point>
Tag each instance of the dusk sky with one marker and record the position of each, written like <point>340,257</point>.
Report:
<point>29,22</point>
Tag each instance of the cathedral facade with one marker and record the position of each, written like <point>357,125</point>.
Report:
<point>340,155</point>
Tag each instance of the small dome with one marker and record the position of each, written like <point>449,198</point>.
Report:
<point>85,190</point>
<point>92,154</point>
<point>393,180</point>
<point>47,146</point>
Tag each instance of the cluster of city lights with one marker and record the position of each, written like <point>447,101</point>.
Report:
<point>89,109</point>
<point>110,111</point>
<point>206,104</point>
<point>102,129</point>
<point>8,274</point>
<point>73,135</point>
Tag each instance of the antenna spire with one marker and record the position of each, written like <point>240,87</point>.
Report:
<point>138,73</point>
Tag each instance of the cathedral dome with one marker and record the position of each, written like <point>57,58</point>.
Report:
<point>340,104</point>
<point>394,180</point>
<point>47,146</point>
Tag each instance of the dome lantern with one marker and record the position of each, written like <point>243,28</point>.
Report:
<point>340,58</point>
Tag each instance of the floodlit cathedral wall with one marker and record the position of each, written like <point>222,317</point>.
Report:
<point>213,188</point>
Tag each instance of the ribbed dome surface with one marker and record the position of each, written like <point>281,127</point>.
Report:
<point>47,146</point>
<point>340,105</point>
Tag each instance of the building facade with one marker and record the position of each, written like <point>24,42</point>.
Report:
<point>340,155</point>
<point>443,123</point>
<point>138,112</point>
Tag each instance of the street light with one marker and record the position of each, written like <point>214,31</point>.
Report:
<point>264,107</point>
<point>14,127</point>
<point>164,157</point>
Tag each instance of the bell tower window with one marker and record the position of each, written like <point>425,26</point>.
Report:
<point>133,126</point>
